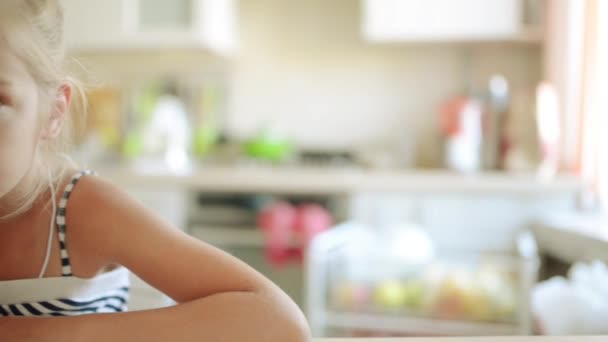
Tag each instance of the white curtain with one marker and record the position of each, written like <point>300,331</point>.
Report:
<point>577,63</point>
<point>593,149</point>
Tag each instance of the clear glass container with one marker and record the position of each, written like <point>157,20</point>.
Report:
<point>391,280</point>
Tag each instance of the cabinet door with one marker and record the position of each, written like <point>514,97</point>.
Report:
<point>93,24</point>
<point>183,23</point>
<point>158,24</point>
<point>164,16</point>
<point>416,20</point>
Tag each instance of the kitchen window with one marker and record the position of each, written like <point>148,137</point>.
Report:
<point>578,65</point>
<point>593,114</point>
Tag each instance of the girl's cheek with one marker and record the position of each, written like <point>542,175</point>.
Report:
<point>7,169</point>
<point>5,113</point>
<point>15,157</point>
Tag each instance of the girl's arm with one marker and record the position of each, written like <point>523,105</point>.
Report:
<point>221,299</point>
<point>225,317</point>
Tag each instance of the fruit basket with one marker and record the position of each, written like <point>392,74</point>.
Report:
<point>360,282</point>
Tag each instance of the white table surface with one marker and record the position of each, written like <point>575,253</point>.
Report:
<point>474,339</point>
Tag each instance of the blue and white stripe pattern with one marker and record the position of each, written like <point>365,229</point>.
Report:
<point>109,302</point>
<point>66,295</point>
<point>66,267</point>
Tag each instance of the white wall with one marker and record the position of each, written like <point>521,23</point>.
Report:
<point>462,221</point>
<point>305,67</point>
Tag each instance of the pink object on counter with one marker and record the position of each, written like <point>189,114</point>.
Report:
<point>312,219</point>
<point>288,230</point>
<point>277,221</point>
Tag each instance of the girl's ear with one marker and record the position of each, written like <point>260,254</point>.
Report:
<point>59,111</point>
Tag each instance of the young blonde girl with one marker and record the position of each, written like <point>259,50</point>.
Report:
<point>67,237</point>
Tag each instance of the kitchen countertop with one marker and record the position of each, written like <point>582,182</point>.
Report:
<point>573,238</point>
<point>475,339</point>
<point>336,180</point>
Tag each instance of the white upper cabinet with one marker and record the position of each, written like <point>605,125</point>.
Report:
<point>443,20</point>
<point>136,24</point>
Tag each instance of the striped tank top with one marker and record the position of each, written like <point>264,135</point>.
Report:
<point>67,295</point>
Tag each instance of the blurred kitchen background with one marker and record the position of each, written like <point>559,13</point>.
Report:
<point>398,167</point>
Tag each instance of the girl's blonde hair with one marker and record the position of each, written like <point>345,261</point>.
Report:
<point>33,30</point>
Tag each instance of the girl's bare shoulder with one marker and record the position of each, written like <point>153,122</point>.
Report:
<point>97,213</point>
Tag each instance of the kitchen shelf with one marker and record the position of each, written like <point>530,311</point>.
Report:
<point>409,325</point>
<point>341,180</point>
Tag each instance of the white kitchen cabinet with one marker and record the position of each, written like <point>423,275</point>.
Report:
<point>151,24</point>
<point>444,20</point>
